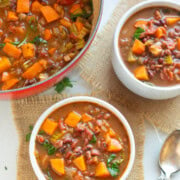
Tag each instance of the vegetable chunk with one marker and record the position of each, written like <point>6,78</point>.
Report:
<point>49,126</point>
<point>141,73</point>
<point>101,170</point>
<point>138,47</point>
<point>80,163</point>
<point>12,50</point>
<point>160,32</point>
<point>114,145</point>
<point>172,20</point>
<point>11,16</point>
<point>34,70</point>
<point>49,14</point>
<point>141,24</point>
<point>57,166</point>
<point>86,117</point>
<point>5,64</point>
<point>23,6</point>
<point>73,119</point>
<point>10,83</point>
<point>178,44</point>
<point>36,7</point>
<point>28,50</point>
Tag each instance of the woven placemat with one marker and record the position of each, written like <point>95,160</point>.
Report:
<point>27,111</point>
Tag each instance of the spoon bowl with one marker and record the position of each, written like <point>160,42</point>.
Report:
<point>169,160</point>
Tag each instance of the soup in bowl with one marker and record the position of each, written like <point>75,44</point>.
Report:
<point>147,49</point>
<point>41,40</point>
<point>82,138</point>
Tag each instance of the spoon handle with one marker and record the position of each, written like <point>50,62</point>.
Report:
<point>163,177</point>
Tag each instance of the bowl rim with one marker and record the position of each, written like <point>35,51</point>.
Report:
<point>70,100</point>
<point>138,7</point>
<point>69,65</point>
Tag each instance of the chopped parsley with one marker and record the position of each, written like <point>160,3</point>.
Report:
<point>138,32</point>
<point>93,140</point>
<point>49,147</point>
<point>63,84</point>
<point>38,40</point>
<point>28,136</point>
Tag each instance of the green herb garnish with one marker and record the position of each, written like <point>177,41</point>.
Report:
<point>41,132</point>
<point>93,140</point>
<point>113,166</point>
<point>49,176</point>
<point>49,147</point>
<point>38,40</point>
<point>84,14</point>
<point>63,84</point>
<point>138,33</point>
<point>2,45</point>
<point>33,24</point>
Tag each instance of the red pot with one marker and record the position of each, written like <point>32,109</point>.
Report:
<point>43,85</point>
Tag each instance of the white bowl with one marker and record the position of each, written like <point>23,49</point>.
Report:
<point>125,76</point>
<point>101,103</point>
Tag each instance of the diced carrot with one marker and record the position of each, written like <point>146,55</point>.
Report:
<point>138,47</point>
<point>101,170</point>
<point>111,133</point>
<point>178,44</point>
<point>47,34</point>
<point>5,76</point>
<point>73,119</point>
<point>43,63</point>
<point>5,64</point>
<point>51,51</point>
<point>28,50</point>
<point>75,8</point>
<point>172,20</point>
<point>65,23</point>
<point>79,25</point>
<point>141,24</point>
<point>12,51</point>
<point>23,6</point>
<point>160,32</point>
<point>57,166</point>
<point>49,14</point>
<point>7,40</point>
<point>33,71</point>
<point>80,163</point>
<point>36,7</point>
<point>49,126</point>
<point>11,16</point>
<point>114,145</point>
<point>86,117</point>
<point>10,83</point>
<point>19,30</point>
<point>141,73</point>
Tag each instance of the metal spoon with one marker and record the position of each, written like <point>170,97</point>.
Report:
<point>169,160</point>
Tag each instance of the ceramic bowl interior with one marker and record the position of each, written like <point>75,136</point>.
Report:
<point>102,103</point>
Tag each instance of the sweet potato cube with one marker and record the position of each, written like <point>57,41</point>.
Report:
<point>141,73</point>
<point>49,126</point>
<point>138,47</point>
<point>172,20</point>
<point>111,133</point>
<point>101,170</point>
<point>86,117</point>
<point>12,51</point>
<point>141,24</point>
<point>9,84</point>
<point>28,50</point>
<point>73,119</point>
<point>57,166</point>
<point>49,13</point>
<point>5,64</point>
<point>178,44</point>
<point>160,32</point>
<point>11,16</point>
<point>34,70</point>
<point>47,34</point>
<point>23,6</point>
<point>114,146</point>
<point>51,51</point>
<point>80,163</point>
<point>36,7</point>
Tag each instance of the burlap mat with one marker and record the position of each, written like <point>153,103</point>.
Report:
<point>26,112</point>
<point>96,69</point>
